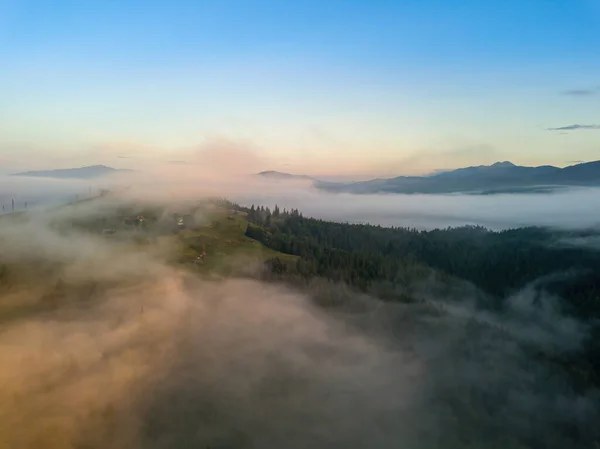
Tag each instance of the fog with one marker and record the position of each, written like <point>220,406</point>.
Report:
<point>572,208</point>
<point>106,345</point>
<point>39,192</point>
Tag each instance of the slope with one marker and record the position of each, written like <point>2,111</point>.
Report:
<point>89,172</point>
<point>501,177</point>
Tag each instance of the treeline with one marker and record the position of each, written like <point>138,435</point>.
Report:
<point>264,215</point>
<point>368,257</point>
<point>499,263</point>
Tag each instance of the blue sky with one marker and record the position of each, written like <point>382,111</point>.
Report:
<point>321,86</point>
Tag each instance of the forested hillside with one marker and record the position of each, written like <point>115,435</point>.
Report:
<point>498,264</point>
<point>199,318</point>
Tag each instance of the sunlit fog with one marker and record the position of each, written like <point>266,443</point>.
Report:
<point>301,224</point>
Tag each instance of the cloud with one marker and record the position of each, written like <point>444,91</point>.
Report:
<point>38,192</point>
<point>567,208</point>
<point>582,242</point>
<point>152,357</point>
<point>574,127</point>
<point>582,92</point>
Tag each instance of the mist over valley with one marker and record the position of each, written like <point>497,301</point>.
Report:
<point>299,224</point>
<point>181,321</point>
<point>570,207</point>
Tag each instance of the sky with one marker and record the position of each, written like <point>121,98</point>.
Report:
<point>335,87</point>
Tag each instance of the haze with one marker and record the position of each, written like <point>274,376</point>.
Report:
<point>572,208</point>
<point>568,209</point>
<point>110,346</point>
<point>153,308</point>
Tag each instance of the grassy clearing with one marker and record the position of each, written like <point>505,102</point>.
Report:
<point>30,285</point>
<point>225,242</point>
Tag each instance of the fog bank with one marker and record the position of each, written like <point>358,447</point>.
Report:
<point>566,208</point>
<point>570,208</point>
<point>106,345</point>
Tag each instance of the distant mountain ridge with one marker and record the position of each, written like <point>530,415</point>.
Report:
<point>501,177</point>
<point>88,172</point>
<point>272,174</point>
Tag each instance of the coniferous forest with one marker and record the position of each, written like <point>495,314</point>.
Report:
<point>390,261</point>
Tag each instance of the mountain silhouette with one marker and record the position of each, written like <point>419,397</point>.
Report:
<point>271,174</point>
<point>89,172</point>
<point>501,177</point>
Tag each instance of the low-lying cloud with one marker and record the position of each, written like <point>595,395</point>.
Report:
<point>582,92</point>
<point>567,208</point>
<point>109,346</point>
<point>571,208</point>
<point>37,192</point>
<point>574,127</point>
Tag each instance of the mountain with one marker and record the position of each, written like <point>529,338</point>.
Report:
<point>271,174</point>
<point>89,172</point>
<point>501,177</point>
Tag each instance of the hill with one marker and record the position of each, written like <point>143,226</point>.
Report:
<point>208,239</point>
<point>164,303</point>
<point>501,177</point>
<point>88,172</point>
<point>271,174</point>
<point>493,269</point>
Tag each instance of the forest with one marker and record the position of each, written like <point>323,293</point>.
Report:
<point>388,262</point>
<point>500,263</point>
